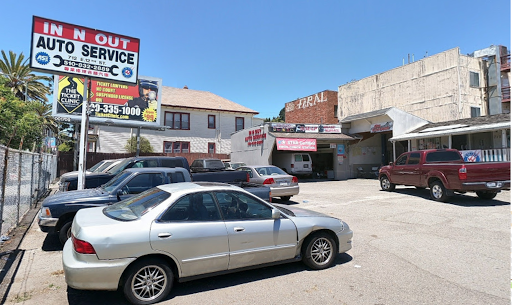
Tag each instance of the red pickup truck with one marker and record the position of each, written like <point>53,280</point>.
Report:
<point>445,172</point>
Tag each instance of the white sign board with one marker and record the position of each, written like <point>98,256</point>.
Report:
<point>67,49</point>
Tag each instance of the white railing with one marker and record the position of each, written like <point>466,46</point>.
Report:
<point>486,155</point>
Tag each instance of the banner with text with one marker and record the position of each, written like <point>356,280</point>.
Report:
<point>296,144</point>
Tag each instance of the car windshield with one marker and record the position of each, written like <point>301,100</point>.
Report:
<point>96,166</point>
<point>237,165</point>
<point>114,182</point>
<point>213,164</point>
<point>103,166</point>
<point>119,167</point>
<point>134,207</point>
<point>269,170</point>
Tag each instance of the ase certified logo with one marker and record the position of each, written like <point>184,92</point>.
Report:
<point>42,58</point>
<point>127,72</point>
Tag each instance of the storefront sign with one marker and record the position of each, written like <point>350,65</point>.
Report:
<point>67,49</point>
<point>255,137</point>
<point>109,100</point>
<point>388,126</point>
<point>329,129</point>
<point>282,127</point>
<point>311,128</point>
<point>306,102</point>
<point>296,144</point>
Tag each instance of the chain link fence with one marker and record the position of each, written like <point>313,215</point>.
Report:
<point>25,177</point>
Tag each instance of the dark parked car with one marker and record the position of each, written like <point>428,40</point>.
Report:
<point>207,165</point>
<point>58,210</point>
<point>93,180</point>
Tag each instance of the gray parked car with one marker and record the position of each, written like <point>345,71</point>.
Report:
<point>186,230</point>
<point>281,184</point>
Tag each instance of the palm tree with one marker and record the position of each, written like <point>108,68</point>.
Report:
<point>23,83</point>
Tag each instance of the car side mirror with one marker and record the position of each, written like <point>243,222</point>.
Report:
<point>276,214</point>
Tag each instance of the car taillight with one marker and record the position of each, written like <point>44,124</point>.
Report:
<point>295,180</point>
<point>269,181</point>
<point>247,179</point>
<point>463,173</point>
<point>292,165</point>
<point>81,246</point>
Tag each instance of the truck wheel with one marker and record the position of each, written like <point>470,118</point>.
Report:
<point>486,195</point>
<point>65,232</point>
<point>386,185</point>
<point>438,191</point>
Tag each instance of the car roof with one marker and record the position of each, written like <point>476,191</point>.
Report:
<point>254,166</point>
<point>190,187</point>
<point>156,169</point>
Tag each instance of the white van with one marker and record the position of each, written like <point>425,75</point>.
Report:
<point>294,163</point>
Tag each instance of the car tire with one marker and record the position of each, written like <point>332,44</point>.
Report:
<point>285,198</point>
<point>319,251</point>
<point>65,232</point>
<point>486,195</point>
<point>148,281</point>
<point>438,191</point>
<point>386,185</point>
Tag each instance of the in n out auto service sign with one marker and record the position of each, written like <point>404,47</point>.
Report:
<point>66,49</point>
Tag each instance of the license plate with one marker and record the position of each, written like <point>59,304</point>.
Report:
<point>494,184</point>
<point>283,184</point>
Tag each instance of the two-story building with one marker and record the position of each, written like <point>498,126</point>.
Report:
<point>195,122</point>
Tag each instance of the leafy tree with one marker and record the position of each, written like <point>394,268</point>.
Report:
<point>145,146</point>
<point>21,79</point>
<point>280,118</point>
<point>20,127</point>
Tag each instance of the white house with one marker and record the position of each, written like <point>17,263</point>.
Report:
<point>195,122</point>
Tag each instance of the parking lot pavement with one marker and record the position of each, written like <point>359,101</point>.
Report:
<point>407,249</point>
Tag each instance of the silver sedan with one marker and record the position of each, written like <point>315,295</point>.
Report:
<point>281,184</point>
<point>180,231</point>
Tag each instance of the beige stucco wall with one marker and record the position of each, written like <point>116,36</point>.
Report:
<point>435,88</point>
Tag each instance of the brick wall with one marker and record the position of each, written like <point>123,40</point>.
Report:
<point>318,108</point>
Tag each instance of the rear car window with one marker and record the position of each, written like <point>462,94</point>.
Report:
<point>443,156</point>
<point>134,207</point>
<point>305,157</point>
<point>171,163</point>
<point>414,158</point>
<point>298,158</point>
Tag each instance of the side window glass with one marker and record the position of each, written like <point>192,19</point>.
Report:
<point>414,158</point>
<point>401,160</point>
<point>138,184</point>
<point>152,163</point>
<point>176,177</point>
<point>193,207</point>
<point>239,206</point>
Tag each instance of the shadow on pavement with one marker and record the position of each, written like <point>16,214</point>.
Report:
<point>52,242</point>
<point>462,200</point>
<point>79,297</point>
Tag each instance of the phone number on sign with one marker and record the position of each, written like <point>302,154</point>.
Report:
<point>115,109</point>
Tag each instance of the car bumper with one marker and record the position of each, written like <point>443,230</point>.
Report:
<point>345,238</point>
<point>285,191</point>
<point>486,186</point>
<point>87,272</point>
<point>47,224</point>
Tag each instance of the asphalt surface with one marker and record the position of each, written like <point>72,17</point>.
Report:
<point>407,249</point>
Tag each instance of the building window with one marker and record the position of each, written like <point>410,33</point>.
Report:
<point>474,79</point>
<point>211,148</point>
<point>176,147</point>
<point>177,120</point>
<point>239,122</point>
<point>475,112</point>
<point>211,121</point>
<point>335,111</point>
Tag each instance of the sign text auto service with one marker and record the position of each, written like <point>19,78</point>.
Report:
<point>66,49</point>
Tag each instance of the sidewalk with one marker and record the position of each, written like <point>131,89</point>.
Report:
<point>18,263</point>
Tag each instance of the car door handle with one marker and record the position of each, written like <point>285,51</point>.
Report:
<point>164,235</point>
<point>239,229</point>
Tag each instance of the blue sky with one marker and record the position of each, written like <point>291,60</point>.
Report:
<point>263,54</point>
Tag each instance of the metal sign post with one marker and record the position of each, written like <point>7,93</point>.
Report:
<point>84,130</point>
